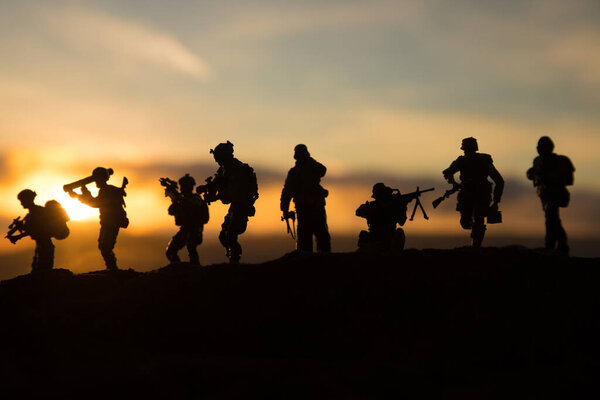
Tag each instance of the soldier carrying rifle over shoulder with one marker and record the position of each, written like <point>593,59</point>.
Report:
<point>383,214</point>
<point>191,214</point>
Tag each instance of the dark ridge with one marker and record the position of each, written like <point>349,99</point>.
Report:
<point>489,323</point>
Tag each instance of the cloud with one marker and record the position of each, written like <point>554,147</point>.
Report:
<point>98,31</point>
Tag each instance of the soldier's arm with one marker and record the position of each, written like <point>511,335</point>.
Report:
<point>364,210</point>
<point>86,198</point>
<point>286,194</point>
<point>499,183</point>
<point>451,170</point>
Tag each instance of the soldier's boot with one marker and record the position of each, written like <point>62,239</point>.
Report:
<point>171,254</point>
<point>235,253</point>
<point>477,234</point>
<point>194,259</point>
<point>110,260</point>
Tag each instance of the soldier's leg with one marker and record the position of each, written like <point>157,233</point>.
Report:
<point>177,243</point>
<point>305,230</point>
<point>45,254</point>
<point>106,244</point>
<point>561,237</point>
<point>478,230</point>
<point>552,224</point>
<point>322,231</point>
<point>398,240</point>
<point>237,226</point>
<point>193,240</point>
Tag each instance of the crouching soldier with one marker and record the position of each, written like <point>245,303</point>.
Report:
<point>111,203</point>
<point>190,212</point>
<point>41,224</point>
<point>382,215</point>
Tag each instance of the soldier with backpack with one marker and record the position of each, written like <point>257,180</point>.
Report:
<point>41,224</point>
<point>551,174</point>
<point>110,201</point>
<point>191,214</point>
<point>234,184</point>
<point>303,186</point>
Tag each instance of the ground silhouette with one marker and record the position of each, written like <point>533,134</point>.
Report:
<point>464,323</point>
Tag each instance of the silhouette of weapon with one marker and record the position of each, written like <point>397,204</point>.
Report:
<point>15,226</point>
<point>455,188</point>
<point>86,181</point>
<point>170,188</point>
<point>411,196</point>
<point>209,190</point>
<point>286,217</point>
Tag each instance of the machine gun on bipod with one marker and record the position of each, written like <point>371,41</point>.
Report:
<point>407,198</point>
<point>16,226</point>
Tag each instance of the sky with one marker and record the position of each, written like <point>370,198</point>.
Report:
<point>376,89</point>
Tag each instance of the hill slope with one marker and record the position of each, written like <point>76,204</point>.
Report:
<point>451,323</point>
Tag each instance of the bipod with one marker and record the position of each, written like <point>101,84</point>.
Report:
<point>419,205</point>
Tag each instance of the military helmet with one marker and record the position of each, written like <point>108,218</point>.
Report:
<point>380,190</point>
<point>469,143</point>
<point>545,145</point>
<point>101,174</point>
<point>187,180</point>
<point>26,195</point>
<point>223,149</point>
<point>301,151</point>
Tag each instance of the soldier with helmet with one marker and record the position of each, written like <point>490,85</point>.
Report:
<point>234,184</point>
<point>36,225</point>
<point>382,215</point>
<point>303,186</point>
<point>475,193</point>
<point>551,174</point>
<point>111,203</point>
<point>191,213</point>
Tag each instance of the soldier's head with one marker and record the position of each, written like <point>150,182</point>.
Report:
<point>301,152</point>
<point>223,153</point>
<point>381,191</point>
<point>101,176</point>
<point>545,146</point>
<point>469,145</point>
<point>187,183</point>
<point>26,197</point>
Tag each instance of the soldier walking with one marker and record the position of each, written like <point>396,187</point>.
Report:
<point>551,174</point>
<point>475,192</point>
<point>191,213</point>
<point>234,184</point>
<point>111,203</point>
<point>303,186</point>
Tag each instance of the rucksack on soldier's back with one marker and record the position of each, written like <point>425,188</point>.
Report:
<point>57,219</point>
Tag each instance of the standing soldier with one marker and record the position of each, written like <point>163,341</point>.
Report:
<point>111,202</point>
<point>190,212</point>
<point>551,173</point>
<point>235,184</point>
<point>475,190</point>
<point>303,185</point>
<point>36,225</point>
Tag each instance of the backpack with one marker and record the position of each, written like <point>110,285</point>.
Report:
<point>56,219</point>
<point>565,169</point>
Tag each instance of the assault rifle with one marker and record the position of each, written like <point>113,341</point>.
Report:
<point>16,226</point>
<point>286,217</point>
<point>170,188</point>
<point>455,188</point>
<point>209,189</point>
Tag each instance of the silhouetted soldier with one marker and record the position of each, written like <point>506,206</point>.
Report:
<point>303,186</point>
<point>551,173</point>
<point>475,190</point>
<point>35,225</point>
<point>111,203</point>
<point>382,215</point>
<point>235,184</point>
<point>190,212</point>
